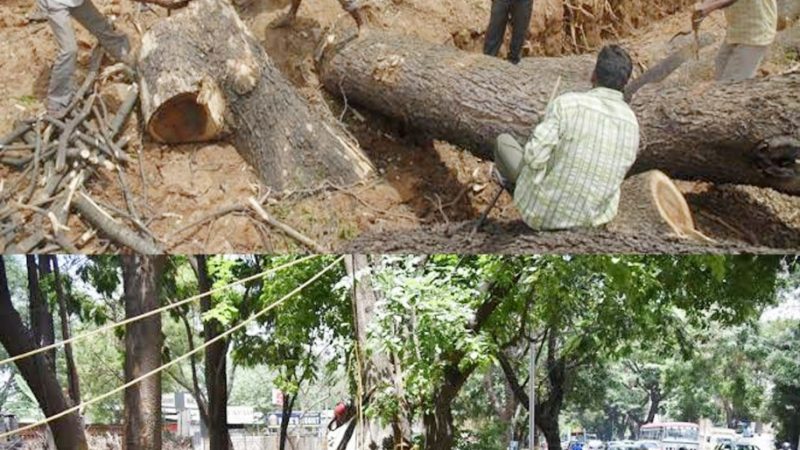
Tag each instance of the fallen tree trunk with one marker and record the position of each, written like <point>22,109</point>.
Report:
<point>444,93</point>
<point>202,72</point>
<point>714,134</point>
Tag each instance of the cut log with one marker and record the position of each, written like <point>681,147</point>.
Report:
<point>650,201</point>
<point>719,132</point>
<point>444,93</point>
<point>202,72</point>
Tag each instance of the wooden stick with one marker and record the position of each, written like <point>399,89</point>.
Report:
<point>168,4</point>
<point>225,210</point>
<point>124,111</point>
<point>91,75</point>
<point>66,134</point>
<point>291,232</point>
<point>15,134</point>
<point>86,139</point>
<point>111,228</point>
<point>37,152</point>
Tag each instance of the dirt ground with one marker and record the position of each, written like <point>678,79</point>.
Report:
<point>427,192</point>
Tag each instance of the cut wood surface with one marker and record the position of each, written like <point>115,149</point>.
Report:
<point>650,201</point>
<point>202,71</point>
<point>715,132</point>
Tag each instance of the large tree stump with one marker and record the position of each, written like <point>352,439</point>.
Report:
<point>720,133</point>
<point>202,71</point>
<point>651,202</point>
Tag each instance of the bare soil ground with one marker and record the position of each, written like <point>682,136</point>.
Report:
<point>427,192</point>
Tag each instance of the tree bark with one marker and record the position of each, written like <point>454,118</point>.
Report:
<point>67,431</point>
<point>203,71</point>
<point>548,409</point>
<point>438,423</point>
<point>721,132</point>
<point>376,367</point>
<point>216,371</point>
<point>41,320</point>
<point>286,410</point>
<point>141,277</point>
<point>72,370</point>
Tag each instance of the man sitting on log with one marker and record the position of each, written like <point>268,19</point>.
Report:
<point>568,175</point>
<point>519,13</point>
<point>61,88</point>
<point>351,6</point>
<point>752,26</point>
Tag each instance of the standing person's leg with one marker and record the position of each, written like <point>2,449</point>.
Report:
<point>290,16</point>
<point>497,27</point>
<point>743,63</point>
<point>521,13</point>
<point>721,61</point>
<point>508,157</point>
<point>113,41</point>
<point>60,90</point>
<point>37,13</point>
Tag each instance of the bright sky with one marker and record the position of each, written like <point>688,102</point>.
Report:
<point>788,308</point>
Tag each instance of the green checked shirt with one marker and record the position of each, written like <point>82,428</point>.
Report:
<point>575,161</point>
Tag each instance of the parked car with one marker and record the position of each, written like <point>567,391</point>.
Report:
<point>594,444</point>
<point>737,446</point>
<point>622,445</point>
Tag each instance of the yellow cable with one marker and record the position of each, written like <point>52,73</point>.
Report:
<point>174,361</point>
<point>111,326</point>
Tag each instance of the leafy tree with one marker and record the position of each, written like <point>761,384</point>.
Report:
<point>295,338</point>
<point>784,365</point>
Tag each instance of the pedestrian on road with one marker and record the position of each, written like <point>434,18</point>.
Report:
<point>752,27</point>
<point>59,14</point>
<point>518,12</point>
<point>569,173</point>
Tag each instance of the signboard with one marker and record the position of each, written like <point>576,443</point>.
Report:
<point>277,397</point>
<point>241,415</point>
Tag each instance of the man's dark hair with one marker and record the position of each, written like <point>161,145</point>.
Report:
<point>613,67</point>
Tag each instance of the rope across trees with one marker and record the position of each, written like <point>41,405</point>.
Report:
<point>185,356</point>
<point>151,313</point>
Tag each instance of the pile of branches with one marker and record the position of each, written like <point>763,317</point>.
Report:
<point>56,158</point>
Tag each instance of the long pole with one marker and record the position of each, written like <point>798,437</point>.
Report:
<point>532,396</point>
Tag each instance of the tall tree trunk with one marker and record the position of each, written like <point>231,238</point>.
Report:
<point>547,410</point>
<point>286,416</point>
<point>655,404</point>
<point>401,424</point>
<point>439,429</point>
<point>72,370</point>
<point>376,367</point>
<point>41,320</point>
<point>67,431</point>
<point>141,277</point>
<point>728,133</point>
<point>215,367</point>
<point>439,433</point>
<point>49,332</point>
